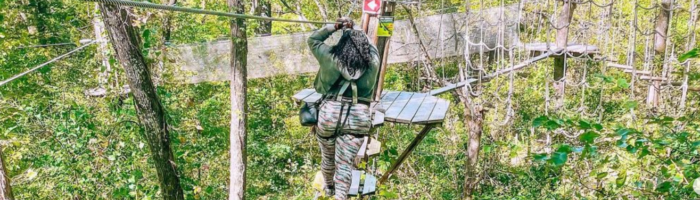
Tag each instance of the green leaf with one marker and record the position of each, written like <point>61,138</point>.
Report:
<point>601,175</point>
<point>621,178</point>
<point>598,127</point>
<point>664,187</point>
<point>564,148</point>
<point>540,157</point>
<point>539,121</point>
<point>644,152</point>
<point>630,105</point>
<point>622,83</point>
<point>690,54</point>
<point>584,124</point>
<point>559,158</point>
<point>552,124</point>
<point>588,137</point>
<point>696,144</point>
<point>623,131</point>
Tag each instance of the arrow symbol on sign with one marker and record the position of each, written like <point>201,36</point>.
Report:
<point>372,5</point>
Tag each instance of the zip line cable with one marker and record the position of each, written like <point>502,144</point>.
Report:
<point>46,63</point>
<point>199,11</point>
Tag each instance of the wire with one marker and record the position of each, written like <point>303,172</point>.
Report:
<point>199,11</point>
<point>46,63</point>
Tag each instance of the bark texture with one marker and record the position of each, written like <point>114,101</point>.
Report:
<point>5,187</point>
<point>474,118</point>
<point>563,22</point>
<point>661,27</point>
<point>239,111</point>
<point>150,111</point>
<point>263,8</point>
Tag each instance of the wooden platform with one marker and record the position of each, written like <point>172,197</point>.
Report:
<point>574,49</point>
<point>400,107</point>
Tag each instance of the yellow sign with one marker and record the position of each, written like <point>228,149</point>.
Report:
<point>386,27</point>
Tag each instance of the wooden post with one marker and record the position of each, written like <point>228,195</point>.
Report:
<point>406,152</point>
<point>661,29</point>
<point>562,38</point>
<point>383,48</point>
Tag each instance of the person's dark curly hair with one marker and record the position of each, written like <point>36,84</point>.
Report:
<point>352,51</point>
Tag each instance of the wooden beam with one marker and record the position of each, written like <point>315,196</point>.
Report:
<point>383,48</point>
<point>615,65</point>
<point>491,76</point>
<point>405,153</point>
<point>652,78</point>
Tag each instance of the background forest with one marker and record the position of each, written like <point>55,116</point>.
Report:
<point>603,142</point>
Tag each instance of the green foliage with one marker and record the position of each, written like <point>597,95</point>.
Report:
<point>695,53</point>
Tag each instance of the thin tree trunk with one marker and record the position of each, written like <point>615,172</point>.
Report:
<point>429,73</point>
<point>150,112</point>
<point>322,9</point>
<point>262,8</point>
<point>473,119</point>
<point>5,188</point>
<point>166,31</point>
<point>562,39</point>
<point>238,136</point>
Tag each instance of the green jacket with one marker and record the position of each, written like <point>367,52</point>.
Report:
<point>329,72</point>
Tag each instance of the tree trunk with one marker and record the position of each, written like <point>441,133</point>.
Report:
<point>562,39</point>
<point>238,136</point>
<point>473,118</point>
<point>5,188</point>
<point>262,8</point>
<point>150,112</point>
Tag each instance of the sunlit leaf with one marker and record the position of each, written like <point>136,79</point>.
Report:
<point>559,158</point>
<point>584,124</point>
<point>540,157</point>
<point>690,54</point>
<point>588,137</point>
<point>539,121</point>
<point>621,178</point>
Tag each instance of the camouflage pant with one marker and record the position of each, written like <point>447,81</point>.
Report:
<point>337,161</point>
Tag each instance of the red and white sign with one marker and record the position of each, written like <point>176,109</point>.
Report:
<point>372,6</point>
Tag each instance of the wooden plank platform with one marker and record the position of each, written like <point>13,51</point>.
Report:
<point>400,107</point>
<point>575,49</point>
<point>652,78</point>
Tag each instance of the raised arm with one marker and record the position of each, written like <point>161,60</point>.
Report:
<point>320,49</point>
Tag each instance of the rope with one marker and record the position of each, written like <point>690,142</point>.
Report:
<point>199,11</point>
<point>46,63</point>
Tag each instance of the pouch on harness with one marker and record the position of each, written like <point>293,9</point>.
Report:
<point>338,114</point>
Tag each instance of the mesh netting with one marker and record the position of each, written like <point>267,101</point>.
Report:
<point>289,54</point>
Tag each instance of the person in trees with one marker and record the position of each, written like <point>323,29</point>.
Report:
<point>344,115</point>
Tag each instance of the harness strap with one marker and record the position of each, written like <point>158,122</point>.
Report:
<point>342,90</point>
<point>353,87</point>
<point>354,92</point>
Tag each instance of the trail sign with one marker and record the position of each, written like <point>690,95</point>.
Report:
<point>386,27</point>
<point>372,6</point>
